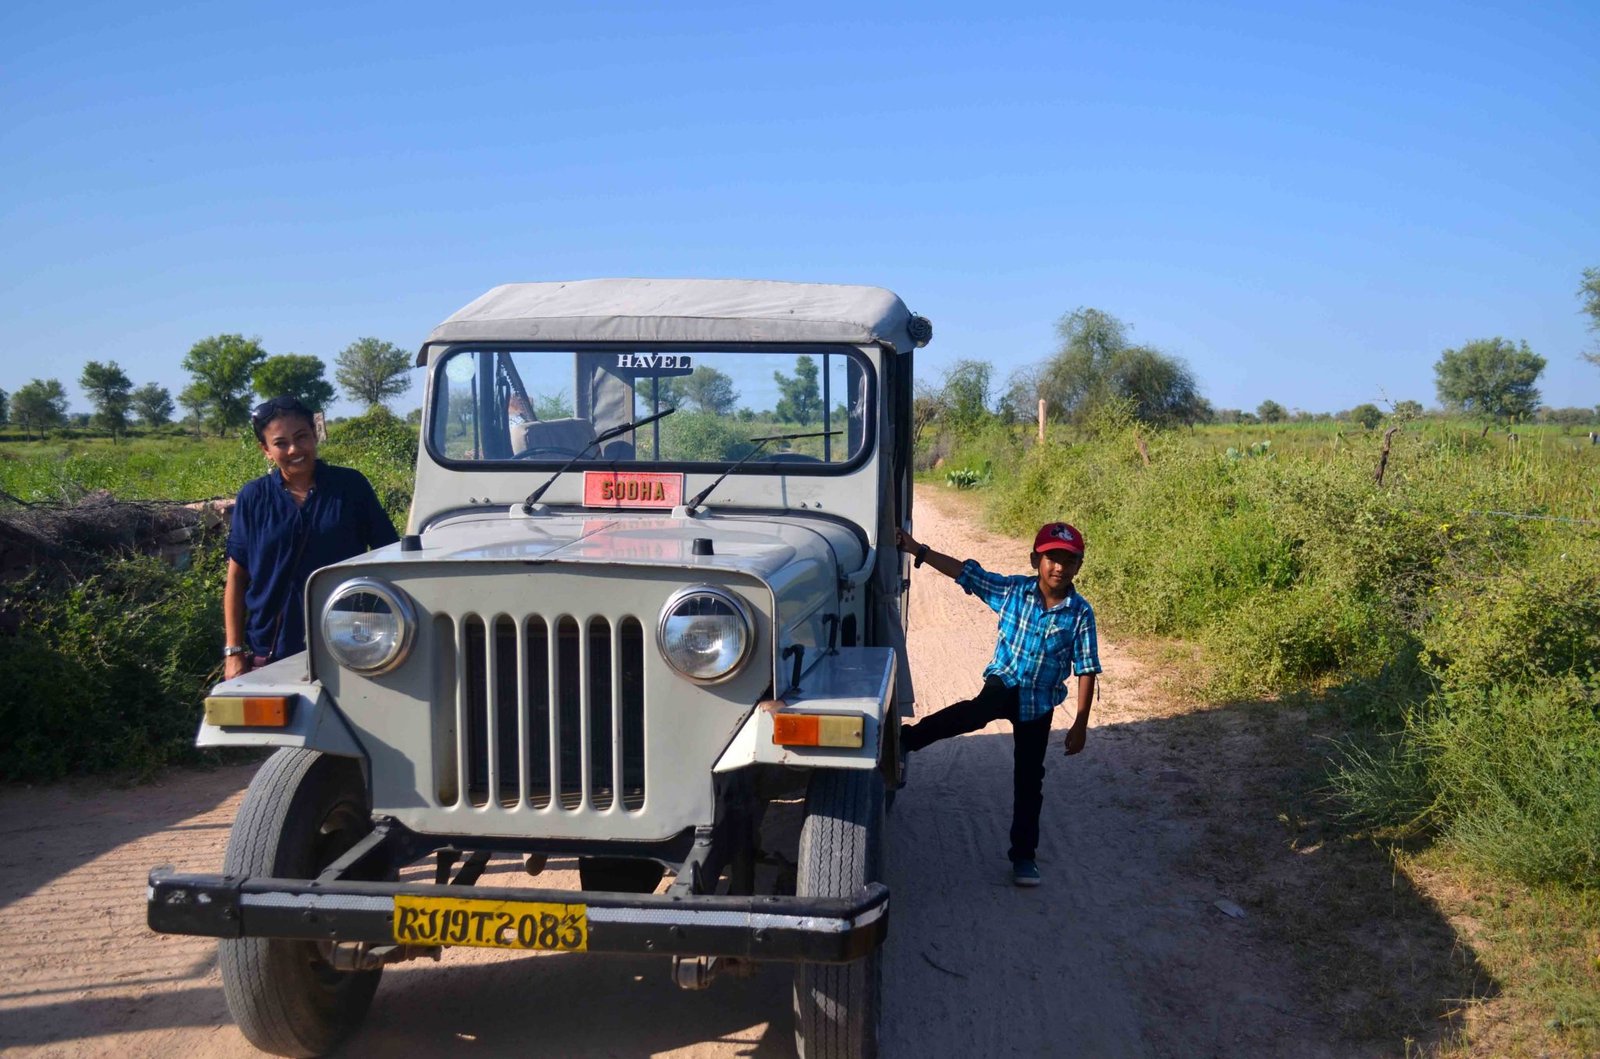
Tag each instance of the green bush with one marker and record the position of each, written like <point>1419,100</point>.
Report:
<point>108,673</point>
<point>985,445</point>
<point>704,436</point>
<point>1516,769</point>
<point>376,438</point>
<point>1381,781</point>
<point>1527,623</point>
<point>1450,612</point>
<point>1280,641</point>
<point>383,447</point>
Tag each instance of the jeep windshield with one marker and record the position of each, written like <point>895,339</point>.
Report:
<point>521,408</point>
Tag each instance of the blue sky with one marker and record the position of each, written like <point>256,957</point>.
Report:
<point>1305,202</point>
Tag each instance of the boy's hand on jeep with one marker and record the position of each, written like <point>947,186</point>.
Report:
<point>904,541</point>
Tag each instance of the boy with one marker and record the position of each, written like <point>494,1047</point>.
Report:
<point>1045,628</point>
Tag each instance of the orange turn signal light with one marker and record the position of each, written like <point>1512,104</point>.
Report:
<point>817,729</point>
<point>265,712</point>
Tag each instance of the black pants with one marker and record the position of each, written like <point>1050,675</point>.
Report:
<point>1029,739</point>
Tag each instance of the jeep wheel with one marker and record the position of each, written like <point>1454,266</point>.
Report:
<point>303,809</point>
<point>836,1005</point>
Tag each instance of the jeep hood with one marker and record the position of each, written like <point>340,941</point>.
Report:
<point>801,558</point>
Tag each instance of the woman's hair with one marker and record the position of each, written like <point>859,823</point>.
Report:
<point>265,412</point>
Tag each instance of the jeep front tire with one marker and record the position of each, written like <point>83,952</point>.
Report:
<point>303,810</point>
<point>836,1006</point>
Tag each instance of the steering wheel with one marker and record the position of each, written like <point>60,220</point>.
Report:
<point>545,450</point>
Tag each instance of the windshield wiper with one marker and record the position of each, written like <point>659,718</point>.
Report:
<point>599,439</point>
<point>762,443</point>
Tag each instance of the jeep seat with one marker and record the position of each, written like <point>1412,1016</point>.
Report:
<point>566,435</point>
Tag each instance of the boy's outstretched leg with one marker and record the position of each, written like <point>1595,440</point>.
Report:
<point>992,703</point>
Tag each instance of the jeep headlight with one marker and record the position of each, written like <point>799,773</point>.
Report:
<point>705,633</point>
<point>368,626</point>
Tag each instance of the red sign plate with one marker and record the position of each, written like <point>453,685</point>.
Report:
<point>632,489</point>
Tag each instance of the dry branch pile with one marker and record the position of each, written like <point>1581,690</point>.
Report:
<point>74,537</point>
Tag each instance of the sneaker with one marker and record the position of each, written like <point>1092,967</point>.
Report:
<point>1025,873</point>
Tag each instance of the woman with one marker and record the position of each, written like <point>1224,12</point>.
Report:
<point>301,515</point>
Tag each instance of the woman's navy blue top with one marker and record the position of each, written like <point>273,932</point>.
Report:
<point>279,543</point>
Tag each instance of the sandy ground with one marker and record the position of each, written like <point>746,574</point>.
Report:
<point>1123,951</point>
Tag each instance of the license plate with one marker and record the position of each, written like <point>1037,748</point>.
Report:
<point>490,924</point>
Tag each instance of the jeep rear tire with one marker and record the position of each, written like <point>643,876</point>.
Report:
<point>303,810</point>
<point>841,849</point>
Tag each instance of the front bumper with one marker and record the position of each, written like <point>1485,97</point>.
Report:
<point>810,929</point>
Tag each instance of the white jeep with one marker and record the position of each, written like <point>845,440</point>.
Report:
<point>647,587</point>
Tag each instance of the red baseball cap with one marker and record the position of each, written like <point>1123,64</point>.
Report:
<point>1053,535</point>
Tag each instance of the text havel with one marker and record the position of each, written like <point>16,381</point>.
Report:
<point>656,361</point>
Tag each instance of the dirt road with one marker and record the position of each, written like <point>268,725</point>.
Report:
<point>1168,824</point>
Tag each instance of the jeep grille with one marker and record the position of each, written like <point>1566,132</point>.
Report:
<point>548,709</point>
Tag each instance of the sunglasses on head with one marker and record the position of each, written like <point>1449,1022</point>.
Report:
<point>267,411</point>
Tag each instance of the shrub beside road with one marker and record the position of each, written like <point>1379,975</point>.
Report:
<point>106,658</point>
<point>1445,622</point>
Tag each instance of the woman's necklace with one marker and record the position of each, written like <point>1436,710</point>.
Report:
<point>299,493</point>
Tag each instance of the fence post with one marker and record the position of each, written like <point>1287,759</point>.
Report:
<point>1041,419</point>
<point>1383,457</point>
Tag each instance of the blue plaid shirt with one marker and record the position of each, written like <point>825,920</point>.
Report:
<point>1039,646</point>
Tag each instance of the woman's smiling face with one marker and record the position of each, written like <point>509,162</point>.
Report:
<point>290,442</point>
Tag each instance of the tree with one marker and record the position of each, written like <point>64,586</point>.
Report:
<point>41,404</point>
<point>1589,291</point>
<point>1368,415</point>
<point>152,404</point>
<point>1407,410</point>
<point>372,371</point>
<point>927,406</point>
<point>1074,378</point>
<point>964,397</point>
<point>194,401</point>
<point>293,375</point>
<point>552,405</point>
<point>704,390</point>
<point>1489,377</point>
<point>1020,402</point>
<point>801,402</point>
<point>1161,389</point>
<point>1095,362</point>
<point>222,366</point>
<point>1270,411</point>
<point>5,408</point>
<point>1567,417</point>
<point>108,387</point>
